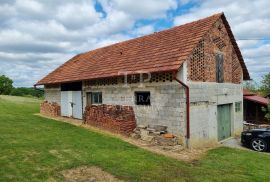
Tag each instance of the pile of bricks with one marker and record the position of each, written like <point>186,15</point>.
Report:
<point>118,119</point>
<point>50,109</point>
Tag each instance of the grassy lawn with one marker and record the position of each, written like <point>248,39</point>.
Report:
<point>38,149</point>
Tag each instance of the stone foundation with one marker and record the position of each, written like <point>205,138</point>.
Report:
<point>50,109</point>
<point>118,119</point>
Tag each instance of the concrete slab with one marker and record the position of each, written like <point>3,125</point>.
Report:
<point>233,143</point>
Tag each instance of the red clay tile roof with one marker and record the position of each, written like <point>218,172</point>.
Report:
<point>257,99</point>
<point>246,92</point>
<point>157,52</point>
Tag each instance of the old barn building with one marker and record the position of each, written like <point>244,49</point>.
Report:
<point>187,78</point>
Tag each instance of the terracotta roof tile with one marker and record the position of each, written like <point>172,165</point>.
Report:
<point>257,99</point>
<point>161,51</point>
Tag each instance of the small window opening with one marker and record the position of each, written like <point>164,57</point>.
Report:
<point>238,106</point>
<point>142,98</point>
<point>219,68</point>
<point>94,98</point>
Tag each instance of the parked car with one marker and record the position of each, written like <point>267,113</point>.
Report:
<point>257,139</point>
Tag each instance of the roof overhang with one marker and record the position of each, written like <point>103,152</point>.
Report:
<point>129,73</point>
<point>257,99</point>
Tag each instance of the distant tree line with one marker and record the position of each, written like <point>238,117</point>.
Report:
<point>6,88</point>
<point>261,89</point>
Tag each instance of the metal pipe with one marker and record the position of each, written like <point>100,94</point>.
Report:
<point>187,109</point>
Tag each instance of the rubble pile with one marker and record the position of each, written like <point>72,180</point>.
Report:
<point>155,134</point>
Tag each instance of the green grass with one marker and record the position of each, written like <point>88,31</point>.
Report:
<point>33,148</point>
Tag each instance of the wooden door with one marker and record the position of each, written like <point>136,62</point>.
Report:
<point>224,121</point>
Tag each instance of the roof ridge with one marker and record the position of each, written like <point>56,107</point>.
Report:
<point>154,33</point>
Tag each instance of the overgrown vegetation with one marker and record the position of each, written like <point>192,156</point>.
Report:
<point>261,89</point>
<point>265,88</point>
<point>267,111</point>
<point>6,88</point>
<point>33,148</point>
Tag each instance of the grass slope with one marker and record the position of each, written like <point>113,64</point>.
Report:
<point>37,149</point>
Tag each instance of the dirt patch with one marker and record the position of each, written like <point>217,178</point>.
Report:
<point>88,174</point>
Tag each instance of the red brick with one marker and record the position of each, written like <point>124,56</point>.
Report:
<point>50,109</point>
<point>115,118</point>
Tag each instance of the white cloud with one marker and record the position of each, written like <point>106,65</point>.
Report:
<point>29,6</point>
<point>243,44</point>
<point>143,9</point>
<point>37,36</point>
<point>258,52</point>
<point>144,30</point>
<point>78,15</point>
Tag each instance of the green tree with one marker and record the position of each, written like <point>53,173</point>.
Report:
<point>5,85</point>
<point>265,87</point>
<point>267,111</point>
<point>250,85</point>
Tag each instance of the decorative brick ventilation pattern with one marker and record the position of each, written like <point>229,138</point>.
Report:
<point>118,119</point>
<point>161,77</point>
<point>197,63</point>
<point>155,77</point>
<point>50,109</point>
<point>105,81</point>
<point>202,63</point>
<point>236,69</point>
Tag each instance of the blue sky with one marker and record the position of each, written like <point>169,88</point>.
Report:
<point>37,36</point>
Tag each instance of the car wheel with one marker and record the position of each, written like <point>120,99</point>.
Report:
<point>259,145</point>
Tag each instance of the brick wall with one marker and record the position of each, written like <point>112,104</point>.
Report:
<point>50,109</point>
<point>119,119</point>
<point>202,63</point>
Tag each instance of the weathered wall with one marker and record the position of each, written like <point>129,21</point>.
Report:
<point>52,94</point>
<point>167,103</point>
<point>202,63</point>
<point>204,99</point>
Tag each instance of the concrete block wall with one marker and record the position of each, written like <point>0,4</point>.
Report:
<point>167,103</point>
<point>53,94</point>
<point>204,99</point>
